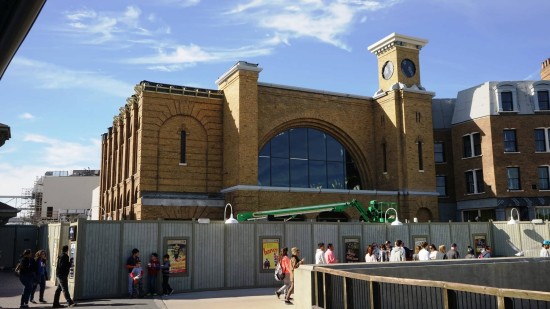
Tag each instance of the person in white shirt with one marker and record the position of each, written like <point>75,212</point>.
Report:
<point>320,253</point>
<point>398,253</point>
<point>544,251</point>
<point>370,256</point>
<point>423,254</point>
<point>433,252</point>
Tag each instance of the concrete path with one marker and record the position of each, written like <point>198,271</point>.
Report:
<point>264,298</point>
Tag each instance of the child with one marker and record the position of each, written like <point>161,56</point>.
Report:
<point>166,289</point>
<point>137,277</point>
<point>152,271</point>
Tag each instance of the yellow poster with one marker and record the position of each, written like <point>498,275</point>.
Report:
<point>177,251</point>
<point>270,253</point>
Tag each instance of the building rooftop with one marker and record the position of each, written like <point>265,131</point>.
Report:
<point>442,113</point>
<point>180,90</point>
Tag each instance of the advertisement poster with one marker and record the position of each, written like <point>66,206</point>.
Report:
<point>352,249</point>
<point>270,253</point>
<point>419,239</point>
<point>177,252</point>
<point>480,241</point>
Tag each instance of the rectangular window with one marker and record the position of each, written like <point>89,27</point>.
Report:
<point>474,181</point>
<point>510,143</point>
<point>514,182</point>
<point>507,102</point>
<point>49,212</point>
<point>544,179</point>
<point>471,145</point>
<point>439,152</point>
<point>543,99</point>
<point>183,145</point>
<point>420,159</point>
<point>441,185</point>
<point>542,140</point>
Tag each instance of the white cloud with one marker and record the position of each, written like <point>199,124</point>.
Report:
<point>50,76</point>
<point>326,21</point>
<point>27,116</point>
<point>180,3</point>
<point>55,155</point>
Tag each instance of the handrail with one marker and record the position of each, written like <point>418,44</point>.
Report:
<point>487,290</point>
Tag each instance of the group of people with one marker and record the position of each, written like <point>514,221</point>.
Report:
<point>154,266</point>
<point>33,272</point>
<point>288,265</point>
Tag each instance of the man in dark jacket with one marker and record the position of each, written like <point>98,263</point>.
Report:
<point>453,253</point>
<point>62,273</point>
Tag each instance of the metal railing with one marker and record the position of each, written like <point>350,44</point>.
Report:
<point>338,289</point>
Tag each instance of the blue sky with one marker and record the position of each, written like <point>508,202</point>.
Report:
<point>82,58</point>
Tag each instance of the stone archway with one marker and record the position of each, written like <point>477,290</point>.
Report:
<point>424,214</point>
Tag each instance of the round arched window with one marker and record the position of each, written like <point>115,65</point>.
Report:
<point>307,158</point>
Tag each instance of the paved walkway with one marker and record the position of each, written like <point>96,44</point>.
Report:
<point>264,298</point>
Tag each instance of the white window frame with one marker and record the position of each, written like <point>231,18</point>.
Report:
<point>473,153</point>
<point>538,184</point>
<point>546,139</point>
<point>535,88</point>
<point>474,173</point>
<point>506,87</point>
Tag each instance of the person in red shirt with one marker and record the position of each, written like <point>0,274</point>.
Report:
<point>153,268</point>
<point>329,255</point>
<point>285,266</point>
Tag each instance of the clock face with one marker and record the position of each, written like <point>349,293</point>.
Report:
<point>408,67</point>
<point>387,70</point>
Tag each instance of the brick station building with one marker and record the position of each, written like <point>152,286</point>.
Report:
<point>177,152</point>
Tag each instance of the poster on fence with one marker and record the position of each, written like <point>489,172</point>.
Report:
<point>352,249</point>
<point>270,247</point>
<point>176,248</point>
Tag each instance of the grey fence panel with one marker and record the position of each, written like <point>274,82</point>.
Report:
<point>43,238</point>
<point>440,234</point>
<point>175,229</point>
<point>532,236</point>
<point>374,232</point>
<point>324,232</point>
<point>395,232</point>
<point>208,255</point>
<point>417,230</point>
<point>98,270</point>
<point>241,263</point>
<point>299,235</point>
<point>8,255</point>
<point>507,237</point>
<point>461,236</point>
<point>144,237</point>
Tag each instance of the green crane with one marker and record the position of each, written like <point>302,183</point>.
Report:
<point>374,213</point>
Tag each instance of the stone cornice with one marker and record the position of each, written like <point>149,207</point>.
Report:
<point>396,39</point>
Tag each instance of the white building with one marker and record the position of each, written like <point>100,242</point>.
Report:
<point>63,196</point>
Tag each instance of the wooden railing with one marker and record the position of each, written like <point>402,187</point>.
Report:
<point>335,289</point>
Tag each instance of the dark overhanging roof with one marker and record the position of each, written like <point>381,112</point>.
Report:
<point>5,133</point>
<point>16,20</point>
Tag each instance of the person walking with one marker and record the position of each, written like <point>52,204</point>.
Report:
<point>153,268</point>
<point>295,262</point>
<point>441,253</point>
<point>285,266</point>
<point>130,264</point>
<point>433,252</point>
<point>416,256</point>
<point>370,256</point>
<point>41,275</point>
<point>544,251</point>
<point>320,254</point>
<point>453,254</point>
<point>26,276</point>
<point>329,255</point>
<point>398,253</point>
<point>424,254</point>
<point>165,268</point>
<point>62,275</point>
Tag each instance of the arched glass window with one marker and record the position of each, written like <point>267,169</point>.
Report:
<point>307,158</point>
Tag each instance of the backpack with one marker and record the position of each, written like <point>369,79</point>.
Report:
<point>279,275</point>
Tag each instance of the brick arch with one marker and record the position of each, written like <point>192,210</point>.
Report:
<point>340,135</point>
<point>424,214</point>
<point>189,110</point>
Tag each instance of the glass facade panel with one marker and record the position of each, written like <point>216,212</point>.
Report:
<point>299,176</point>
<point>316,145</point>
<point>317,174</point>
<point>279,145</point>
<point>298,143</point>
<point>544,180</point>
<point>441,185</point>
<point>335,175</point>
<point>279,172</point>
<point>286,160</point>
<point>439,152</point>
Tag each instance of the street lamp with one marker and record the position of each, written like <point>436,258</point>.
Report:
<point>512,221</point>
<point>231,220</point>
<point>396,222</point>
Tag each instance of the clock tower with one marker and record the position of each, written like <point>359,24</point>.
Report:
<point>403,128</point>
<point>398,61</point>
